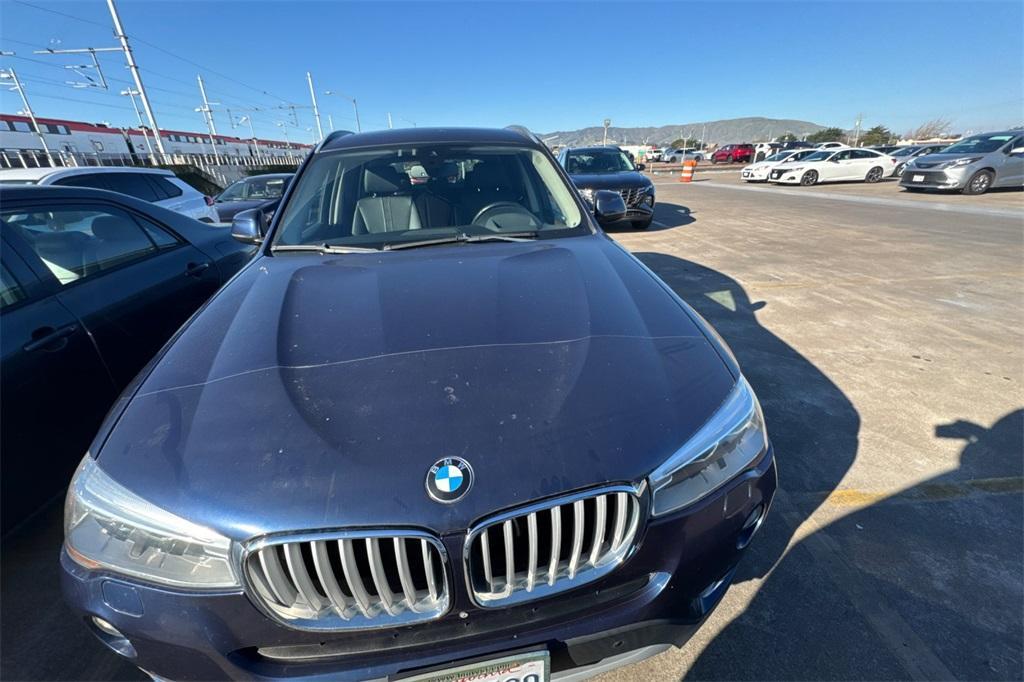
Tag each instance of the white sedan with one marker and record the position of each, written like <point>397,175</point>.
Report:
<point>758,172</point>
<point>834,165</point>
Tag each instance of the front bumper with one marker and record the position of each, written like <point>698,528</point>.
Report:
<point>755,174</point>
<point>950,178</point>
<point>787,177</point>
<point>682,565</point>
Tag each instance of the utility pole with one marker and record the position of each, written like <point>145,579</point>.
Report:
<point>355,107</point>
<point>208,115</point>
<point>607,122</point>
<point>11,75</point>
<point>330,122</point>
<point>77,68</point>
<point>389,121</point>
<point>856,138</point>
<point>316,110</point>
<point>131,93</point>
<point>134,68</point>
<point>252,134</point>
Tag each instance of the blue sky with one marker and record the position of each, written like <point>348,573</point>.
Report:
<point>548,65</point>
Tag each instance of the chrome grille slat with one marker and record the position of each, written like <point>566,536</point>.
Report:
<point>604,524</point>
<point>578,512</point>
<point>347,579</point>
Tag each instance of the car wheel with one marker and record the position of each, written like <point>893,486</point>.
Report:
<point>731,159</point>
<point>874,175</point>
<point>899,169</point>
<point>642,224</point>
<point>809,178</point>
<point>979,183</point>
<point>714,160</point>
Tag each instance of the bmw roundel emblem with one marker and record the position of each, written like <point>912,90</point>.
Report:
<point>449,479</point>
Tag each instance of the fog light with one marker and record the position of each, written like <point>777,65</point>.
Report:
<point>750,526</point>
<point>106,627</point>
<point>112,637</point>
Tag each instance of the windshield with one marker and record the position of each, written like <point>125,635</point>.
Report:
<point>904,151</point>
<point>979,144</point>
<point>779,156</point>
<point>380,197</point>
<point>597,161</point>
<point>819,156</point>
<point>255,189</point>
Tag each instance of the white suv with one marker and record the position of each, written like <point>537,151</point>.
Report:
<point>157,186</point>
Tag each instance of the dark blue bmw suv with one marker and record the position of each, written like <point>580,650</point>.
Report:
<point>440,427</point>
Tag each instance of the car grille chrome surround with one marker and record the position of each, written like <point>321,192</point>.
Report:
<point>345,580</point>
<point>549,547</point>
<point>633,197</point>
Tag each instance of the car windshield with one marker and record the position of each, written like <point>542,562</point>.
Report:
<point>979,144</point>
<point>386,197</point>
<point>597,161</point>
<point>904,151</point>
<point>254,189</point>
<point>779,156</point>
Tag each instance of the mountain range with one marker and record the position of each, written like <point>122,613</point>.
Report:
<point>750,129</point>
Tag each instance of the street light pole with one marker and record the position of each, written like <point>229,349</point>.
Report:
<point>316,110</point>
<point>138,115</point>
<point>13,76</point>
<point>134,68</point>
<point>607,122</point>
<point>355,108</point>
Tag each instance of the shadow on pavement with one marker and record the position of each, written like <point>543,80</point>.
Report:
<point>925,583</point>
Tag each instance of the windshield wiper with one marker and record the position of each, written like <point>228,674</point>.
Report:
<point>322,248</point>
<point>463,238</point>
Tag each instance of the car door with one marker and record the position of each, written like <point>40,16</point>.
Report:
<point>836,167</point>
<point>55,387</point>
<point>863,161</point>
<point>1011,170</point>
<point>130,280</point>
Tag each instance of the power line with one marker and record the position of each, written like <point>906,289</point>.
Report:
<point>63,14</point>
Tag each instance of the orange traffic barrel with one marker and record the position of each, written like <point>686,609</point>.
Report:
<point>689,166</point>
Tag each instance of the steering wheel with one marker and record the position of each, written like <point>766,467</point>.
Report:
<point>506,215</point>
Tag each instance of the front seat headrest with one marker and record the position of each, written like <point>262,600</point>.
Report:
<point>384,180</point>
<point>111,228</point>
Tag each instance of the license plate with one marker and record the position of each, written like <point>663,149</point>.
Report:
<point>531,667</point>
<point>917,178</point>
<point>746,174</point>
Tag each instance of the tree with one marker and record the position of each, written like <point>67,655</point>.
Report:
<point>788,137</point>
<point>876,136</point>
<point>685,142</point>
<point>827,135</point>
<point>935,129</point>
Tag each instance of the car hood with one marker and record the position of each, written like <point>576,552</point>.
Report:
<point>612,181</point>
<point>226,210</point>
<point>315,391</point>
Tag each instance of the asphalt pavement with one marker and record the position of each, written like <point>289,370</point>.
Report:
<point>884,340</point>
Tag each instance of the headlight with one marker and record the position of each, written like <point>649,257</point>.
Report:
<point>587,193</point>
<point>966,161</point>
<point>794,169</point>
<point>722,448</point>
<point>108,526</point>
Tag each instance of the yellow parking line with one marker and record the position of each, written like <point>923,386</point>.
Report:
<point>927,492</point>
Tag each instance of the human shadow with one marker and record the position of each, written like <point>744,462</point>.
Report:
<point>925,583</point>
<point>812,424</point>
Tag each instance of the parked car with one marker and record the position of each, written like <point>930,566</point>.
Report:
<point>831,145</point>
<point>157,186</point>
<point>655,154</point>
<point>251,192</point>
<point>758,172</point>
<point>797,144</point>
<point>831,165</point>
<point>685,154</point>
<point>886,148</point>
<point>734,153</point>
<point>762,150</point>
<point>597,168</point>
<point>420,408</point>
<point>973,165</point>
<point>904,155</point>
<point>93,283</point>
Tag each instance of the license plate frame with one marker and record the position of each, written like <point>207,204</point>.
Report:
<point>917,178</point>
<point>527,666</point>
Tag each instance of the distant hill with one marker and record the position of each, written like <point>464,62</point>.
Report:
<point>751,129</point>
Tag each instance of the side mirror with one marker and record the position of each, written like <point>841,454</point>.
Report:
<point>245,227</point>
<point>609,207</point>
<point>1017,151</point>
<point>641,166</point>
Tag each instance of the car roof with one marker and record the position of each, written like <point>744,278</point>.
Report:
<point>40,173</point>
<point>411,136</point>
<point>596,148</point>
<point>44,192</point>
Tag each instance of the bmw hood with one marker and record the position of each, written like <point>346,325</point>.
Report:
<point>317,391</point>
<point>612,181</point>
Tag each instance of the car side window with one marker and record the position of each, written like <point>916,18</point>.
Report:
<point>842,156</point>
<point>861,154</point>
<point>134,185</point>
<point>161,237</point>
<point>93,180</point>
<point>165,186</point>
<point>10,290</point>
<point>79,242</point>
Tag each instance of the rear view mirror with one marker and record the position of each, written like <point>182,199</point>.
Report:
<point>245,227</point>
<point>640,166</point>
<point>609,207</point>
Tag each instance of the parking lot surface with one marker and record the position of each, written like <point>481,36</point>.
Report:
<point>884,340</point>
